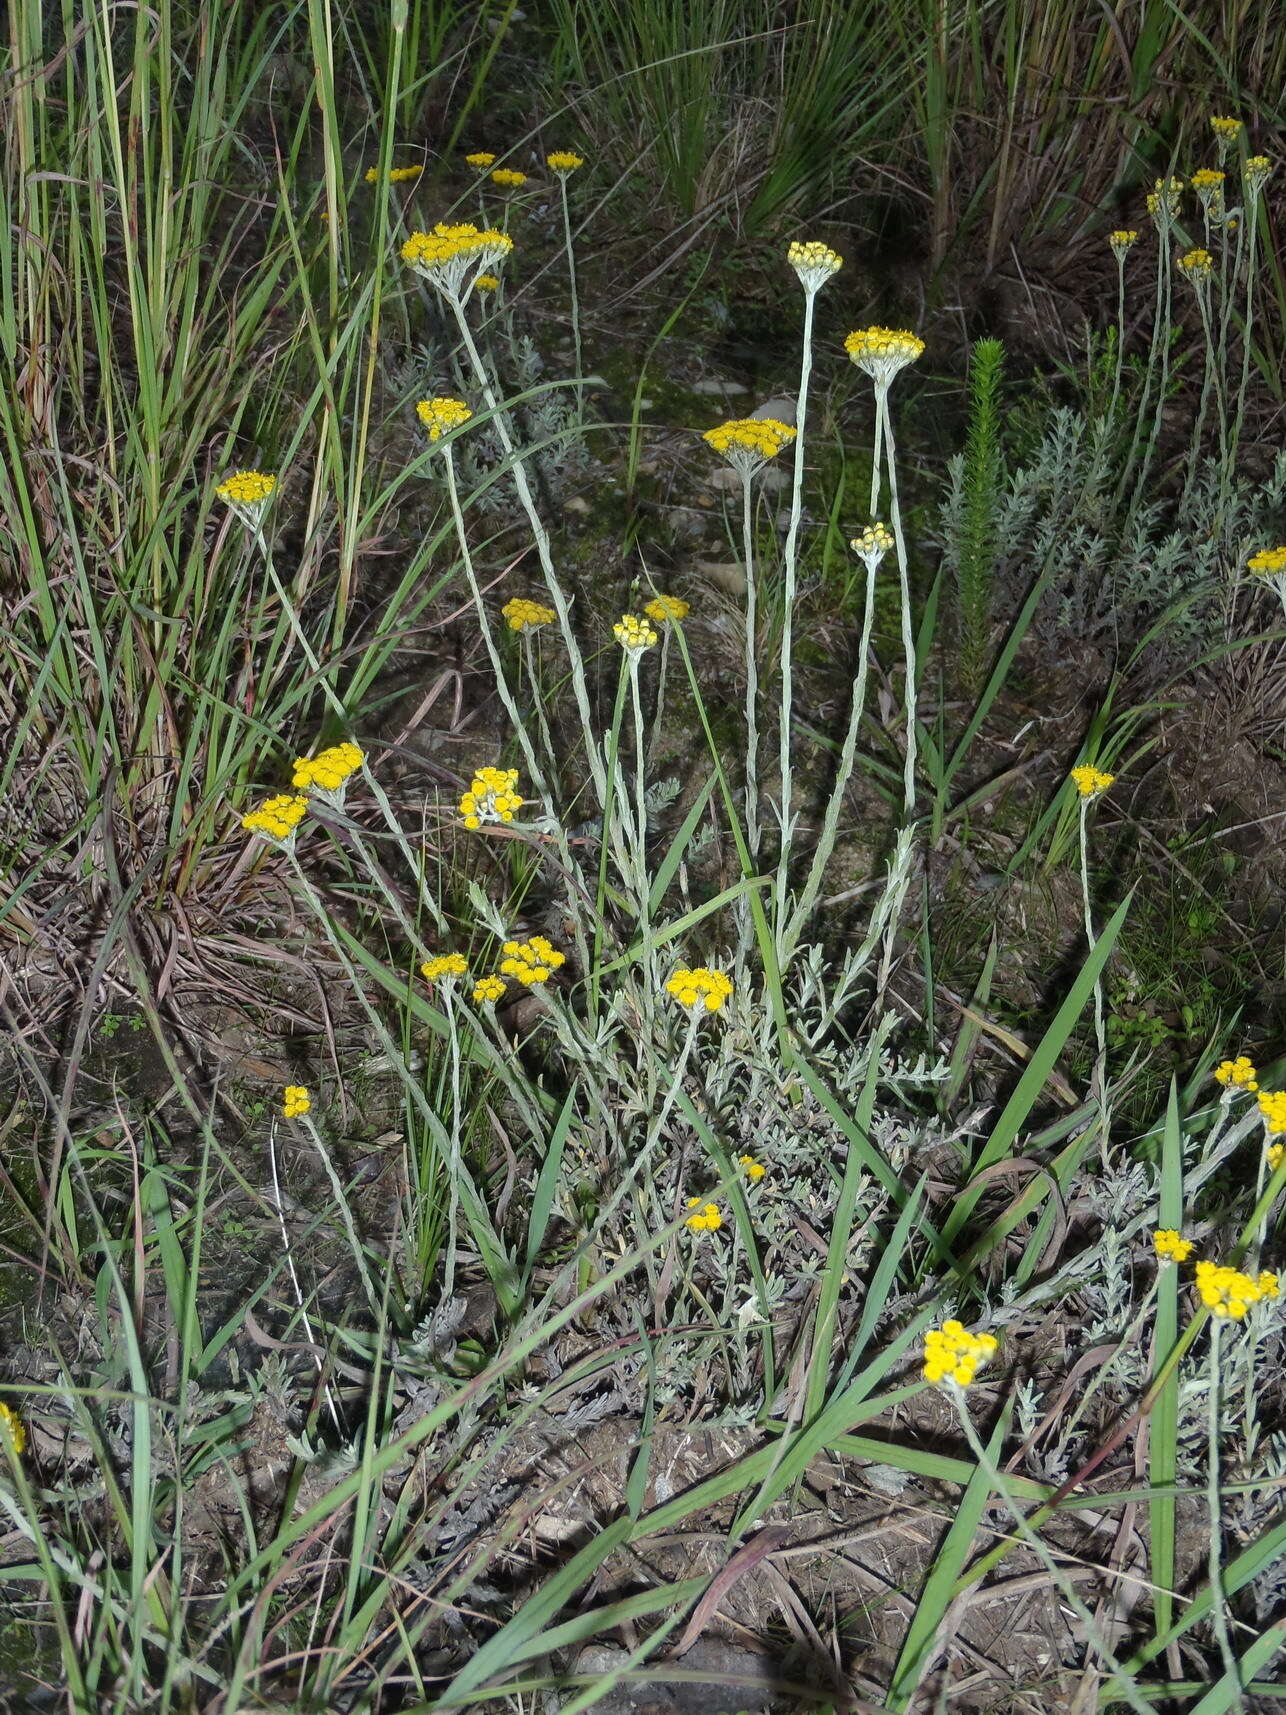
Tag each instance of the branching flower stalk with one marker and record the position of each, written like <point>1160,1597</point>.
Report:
<point>1197,267</point>
<point>1163,206</point>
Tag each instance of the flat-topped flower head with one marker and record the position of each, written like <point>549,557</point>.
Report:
<point>1196,266</point>
<point>439,416</point>
<point>487,283</point>
<point>1226,129</point>
<point>705,1217</point>
<point>1238,1074</point>
<point>667,609</point>
<point>1208,183</point>
<point>277,818</point>
<point>1268,562</point>
<point>634,634</point>
<point>881,352</point>
<point>295,1100</point>
<point>1164,201</point>
<point>488,990</point>
<point>1253,174</point>
<point>329,769</point>
<point>13,1428</point>
<point>749,442</point>
<point>1227,1292</point>
<point>533,961</point>
<point>873,544</point>
<point>1091,782</point>
<point>1170,1247</point>
<point>1122,241</point>
<point>491,798</point>
<point>480,160</point>
<point>1272,1108</point>
<point>450,258</point>
<point>523,615</point>
<point>444,967</point>
<point>753,1170</point>
<point>509,177</point>
<point>814,263</point>
<point>396,175</point>
<point>1274,1155</point>
<point>700,989</point>
<point>247,492</point>
<point>563,162</point>
<point>953,1354</point>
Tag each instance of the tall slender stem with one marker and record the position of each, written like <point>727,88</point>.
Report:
<point>752,673</point>
<point>904,581</point>
<point>571,276</point>
<point>1218,1596</point>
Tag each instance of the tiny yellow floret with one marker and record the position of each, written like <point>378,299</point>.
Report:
<point>491,797</point>
<point>488,990</point>
<point>1272,1106</point>
<point>329,769</point>
<point>508,176</point>
<point>444,965</point>
<point>667,609</point>
<point>14,1428</point>
<point>440,416</point>
<point>1170,1247</point>
<point>533,961</point>
<point>481,160</point>
<point>952,1353</point>
<point>523,615</point>
<point>1238,1074</point>
<point>701,987</point>
<point>1275,1154</point>
<point>563,161</point>
<point>753,1170</point>
<point>706,1218</point>
<point>278,817</point>
<point>1091,782</point>
<point>295,1101</point>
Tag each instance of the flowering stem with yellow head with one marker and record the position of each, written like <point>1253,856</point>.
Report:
<point>908,631</point>
<point>1254,173</point>
<point>575,297</point>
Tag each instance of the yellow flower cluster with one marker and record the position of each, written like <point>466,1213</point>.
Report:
<point>1208,183</point>
<point>1229,1292</point>
<point>440,416</point>
<point>749,442</point>
<point>445,256</point>
<point>633,634</point>
<point>523,615</point>
<point>1268,562</point>
<point>1272,1106</point>
<point>246,488</point>
<point>1090,782</point>
<point>667,609</point>
<point>1121,240</point>
<point>396,174</point>
<point>706,1218</point>
<point>754,1170</point>
<point>481,160</point>
<point>276,817</point>
<point>814,263</point>
<point>1170,1247</point>
<point>1255,171</point>
<point>1238,1074</point>
<point>563,161</point>
<point>1163,202</point>
<point>1196,266</point>
<point>488,990</point>
<point>881,352</point>
<point>873,544</point>
<point>329,769</point>
<point>491,797</point>
<point>444,965</point>
<point>14,1428</point>
<point>700,987</point>
<point>952,1353</point>
<point>1275,1154</point>
<point>1225,129</point>
<point>508,176</point>
<point>295,1101</point>
<point>486,283</point>
<point>531,961</point>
